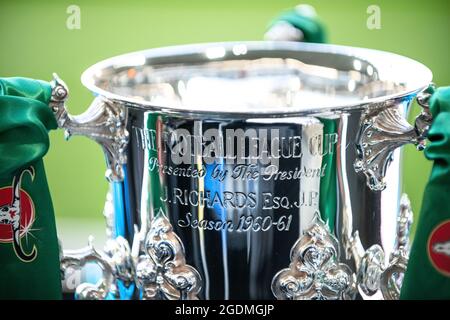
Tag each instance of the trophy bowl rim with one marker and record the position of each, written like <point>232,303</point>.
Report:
<point>420,80</point>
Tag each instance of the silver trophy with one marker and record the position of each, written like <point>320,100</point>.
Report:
<point>250,170</point>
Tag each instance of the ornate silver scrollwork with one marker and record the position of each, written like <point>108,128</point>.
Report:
<point>370,267</point>
<point>115,263</point>
<point>392,277</point>
<point>109,213</point>
<point>162,273</point>
<point>104,122</point>
<point>372,273</point>
<point>383,130</point>
<point>314,272</point>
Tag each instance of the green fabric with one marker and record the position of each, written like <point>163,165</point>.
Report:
<point>312,28</point>
<point>158,190</point>
<point>424,278</point>
<point>29,267</point>
<point>328,181</point>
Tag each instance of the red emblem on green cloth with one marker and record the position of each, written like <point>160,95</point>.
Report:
<point>17,216</point>
<point>439,248</point>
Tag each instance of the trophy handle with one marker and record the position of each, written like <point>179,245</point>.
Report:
<point>103,122</point>
<point>373,274</point>
<point>114,262</point>
<point>385,129</point>
<point>392,276</point>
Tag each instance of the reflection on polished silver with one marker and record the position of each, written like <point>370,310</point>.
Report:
<point>392,277</point>
<point>314,272</point>
<point>162,273</point>
<point>115,263</point>
<point>103,122</point>
<point>384,129</point>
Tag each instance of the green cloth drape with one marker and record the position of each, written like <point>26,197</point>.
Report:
<point>29,264</point>
<point>428,272</point>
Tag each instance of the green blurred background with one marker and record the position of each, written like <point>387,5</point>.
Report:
<point>36,42</point>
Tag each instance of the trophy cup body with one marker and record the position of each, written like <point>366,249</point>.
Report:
<point>256,170</point>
